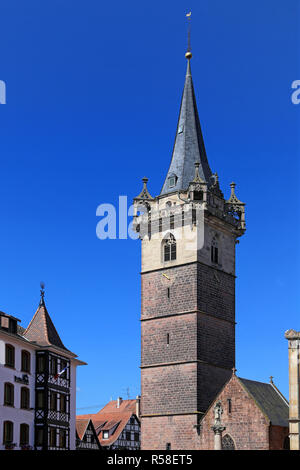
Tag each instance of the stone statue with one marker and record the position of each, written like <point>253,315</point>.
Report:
<point>218,411</point>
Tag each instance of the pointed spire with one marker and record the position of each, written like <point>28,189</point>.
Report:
<point>189,145</point>
<point>41,328</point>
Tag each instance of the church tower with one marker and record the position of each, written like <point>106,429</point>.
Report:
<point>188,235</point>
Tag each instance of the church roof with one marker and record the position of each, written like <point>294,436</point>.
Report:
<point>42,330</point>
<point>189,144</point>
<point>271,402</point>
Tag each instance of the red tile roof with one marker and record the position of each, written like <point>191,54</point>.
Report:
<point>81,425</point>
<point>42,330</point>
<point>111,416</point>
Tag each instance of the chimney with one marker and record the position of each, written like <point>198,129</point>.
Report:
<point>138,406</point>
<point>119,401</point>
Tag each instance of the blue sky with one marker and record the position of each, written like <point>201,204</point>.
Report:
<point>93,94</point>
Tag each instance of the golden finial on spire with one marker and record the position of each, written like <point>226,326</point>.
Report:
<point>188,53</point>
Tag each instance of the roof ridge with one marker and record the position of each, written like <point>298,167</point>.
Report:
<point>279,393</point>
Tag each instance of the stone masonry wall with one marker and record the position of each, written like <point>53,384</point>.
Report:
<point>246,424</point>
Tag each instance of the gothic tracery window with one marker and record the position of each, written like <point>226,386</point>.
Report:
<point>169,248</point>
<point>227,443</point>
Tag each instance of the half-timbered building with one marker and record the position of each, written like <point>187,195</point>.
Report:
<point>117,425</point>
<point>86,437</point>
<point>38,385</point>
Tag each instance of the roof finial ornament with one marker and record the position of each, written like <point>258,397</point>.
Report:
<point>188,53</point>
<point>42,301</point>
<point>197,177</point>
<point>145,193</point>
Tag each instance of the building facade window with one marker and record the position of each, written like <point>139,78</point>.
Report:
<point>40,399</point>
<point>53,366</point>
<point>63,402</point>
<point>172,180</point>
<point>214,251</point>
<point>168,446</point>
<point>169,248</point>
<point>24,434</point>
<point>25,361</point>
<point>63,366</point>
<point>40,364</point>
<point>39,437</point>
<point>8,394</point>
<point>229,405</point>
<point>8,432</point>
<point>9,355</point>
<point>227,443</point>
<point>62,438</point>
<point>53,401</point>
<point>25,398</point>
<point>52,437</point>
<point>286,443</point>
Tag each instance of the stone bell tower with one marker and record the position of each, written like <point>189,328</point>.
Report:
<point>188,235</point>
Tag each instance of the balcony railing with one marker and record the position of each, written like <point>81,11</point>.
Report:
<point>53,415</point>
<point>43,379</point>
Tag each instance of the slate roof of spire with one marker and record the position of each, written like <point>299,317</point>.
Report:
<point>189,144</point>
<point>41,329</point>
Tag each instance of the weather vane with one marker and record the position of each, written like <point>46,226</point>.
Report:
<point>42,284</point>
<point>188,54</point>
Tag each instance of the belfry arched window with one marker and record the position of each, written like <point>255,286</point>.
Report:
<point>169,248</point>
<point>227,443</point>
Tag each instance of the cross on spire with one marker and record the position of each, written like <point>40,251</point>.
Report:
<point>189,145</point>
<point>188,54</point>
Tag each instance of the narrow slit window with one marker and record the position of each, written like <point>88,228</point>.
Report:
<point>229,404</point>
<point>214,252</point>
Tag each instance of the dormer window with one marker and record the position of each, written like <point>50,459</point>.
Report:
<point>180,129</point>
<point>198,195</point>
<point>172,179</point>
<point>105,434</point>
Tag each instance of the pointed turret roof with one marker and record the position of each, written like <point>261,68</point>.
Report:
<point>189,144</point>
<point>41,328</point>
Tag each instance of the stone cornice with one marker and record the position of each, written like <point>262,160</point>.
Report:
<point>191,312</point>
<point>179,363</point>
<point>163,268</point>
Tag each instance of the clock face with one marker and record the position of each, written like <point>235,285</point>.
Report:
<point>167,278</point>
